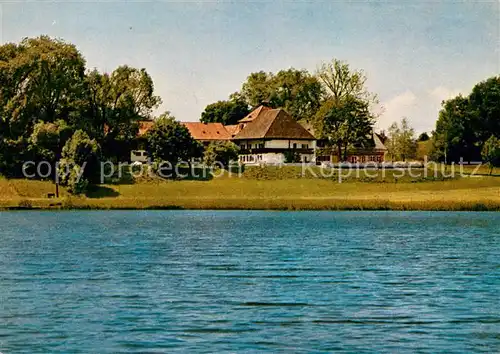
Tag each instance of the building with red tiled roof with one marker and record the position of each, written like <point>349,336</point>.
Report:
<point>265,135</point>
<point>207,132</point>
<point>273,136</point>
<point>234,129</point>
<point>254,114</point>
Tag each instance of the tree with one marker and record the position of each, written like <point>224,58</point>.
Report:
<point>48,139</point>
<point>222,152</point>
<point>225,112</point>
<point>344,119</point>
<point>341,82</point>
<point>491,152</point>
<point>402,144</point>
<point>423,137</point>
<point>46,95</point>
<point>296,91</point>
<point>258,88</point>
<point>344,123</point>
<point>466,123</point>
<point>455,136</point>
<point>168,140</point>
<point>392,141</point>
<point>115,105</point>
<point>40,79</point>
<point>484,104</point>
<point>79,165</point>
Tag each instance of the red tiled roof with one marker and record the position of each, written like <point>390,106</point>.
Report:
<point>207,131</point>
<point>234,129</point>
<point>274,124</point>
<point>254,114</point>
<point>144,126</point>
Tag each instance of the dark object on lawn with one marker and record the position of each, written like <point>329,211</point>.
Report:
<point>51,195</point>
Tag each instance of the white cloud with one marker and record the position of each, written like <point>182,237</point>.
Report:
<point>402,105</point>
<point>442,93</point>
<point>421,108</point>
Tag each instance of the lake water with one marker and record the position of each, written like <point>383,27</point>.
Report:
<point>206,281</point>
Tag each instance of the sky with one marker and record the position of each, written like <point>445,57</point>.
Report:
<point>415,54</point>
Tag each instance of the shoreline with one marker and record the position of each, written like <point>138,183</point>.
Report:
<point>253,205</point>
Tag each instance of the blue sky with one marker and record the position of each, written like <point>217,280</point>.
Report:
<point>414,54</point>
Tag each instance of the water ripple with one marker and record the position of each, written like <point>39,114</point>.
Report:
<point>196,282</point>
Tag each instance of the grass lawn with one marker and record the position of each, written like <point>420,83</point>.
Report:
<point>268,188</point>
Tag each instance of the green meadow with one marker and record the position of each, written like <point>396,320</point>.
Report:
<point>273,188</point>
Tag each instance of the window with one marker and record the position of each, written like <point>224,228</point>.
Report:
<point>305,146</point>
<point>294,145</point>
<point>261,145</point>
<point>243,146</point>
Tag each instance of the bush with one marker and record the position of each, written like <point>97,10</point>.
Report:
<point>168,140</point>
<point>79,165</point>
<point>222,152</point>
<point>491,152</point>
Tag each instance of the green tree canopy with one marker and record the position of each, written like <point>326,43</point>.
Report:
<point>491,152</point>
<point>344,118</point>
<point>48,139</point>
<point>168,140</point>
<point>296,91</point>
<point>225,112</point>
<point>40,80</point>
<point>485,106</point>
<point>258,88</point>
<point>455,137</point>
<point>341,82</point>
<point>80,162</point>
<point>401,143</point>
<point>46,95</point>
<point>222,152</point>
<point>466,123</point>
<point>344,123</point>
<point>114,105</point>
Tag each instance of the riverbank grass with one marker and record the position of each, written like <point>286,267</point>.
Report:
<point>267,189</point>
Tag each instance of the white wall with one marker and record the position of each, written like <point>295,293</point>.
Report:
<point>278,143</point>
<point>284,144</point>
<point>255,143</point>
<point>272,158</point>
